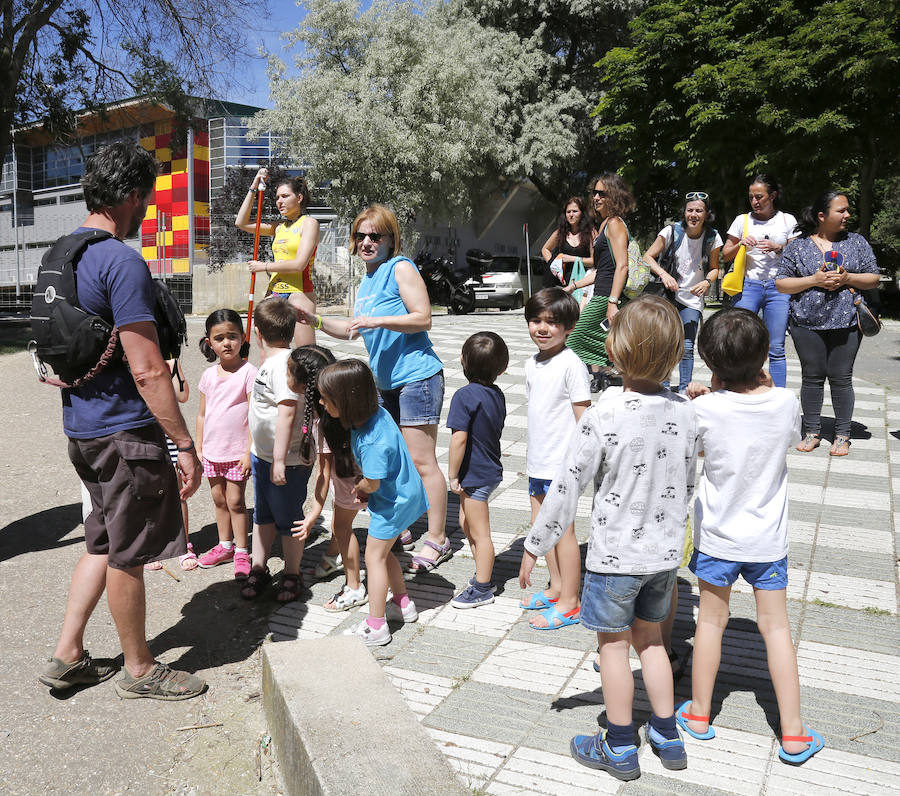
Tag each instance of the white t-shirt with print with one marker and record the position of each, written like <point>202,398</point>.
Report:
<point>689,260</point>
<point>551,387</point>
<point>778,229</point>
<point>741,510</point>
<point>270,389</point>
<point>639,452</point>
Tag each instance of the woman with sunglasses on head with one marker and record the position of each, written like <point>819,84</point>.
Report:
<point>696,251</point>
<point>764,232</point>
<point>611,199</point>
<point>571,240</point>
<point>392,314</point>
<point>820,271</point>
<point>294,247</point>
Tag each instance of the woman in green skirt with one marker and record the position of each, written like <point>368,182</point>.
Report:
<point>611,200</point>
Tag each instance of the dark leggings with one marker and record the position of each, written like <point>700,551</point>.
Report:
<point>826,353</point>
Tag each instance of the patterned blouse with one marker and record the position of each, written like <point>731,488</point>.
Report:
<point>816,308</point>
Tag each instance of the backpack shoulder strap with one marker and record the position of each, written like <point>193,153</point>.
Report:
<point>677,236</point>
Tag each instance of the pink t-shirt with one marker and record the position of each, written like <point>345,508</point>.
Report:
<point>226,427</point>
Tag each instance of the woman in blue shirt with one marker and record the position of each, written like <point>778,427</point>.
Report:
<point>393,315</point>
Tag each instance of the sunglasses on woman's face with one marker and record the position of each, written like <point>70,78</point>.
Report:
<point>692,196</point>
<point>375,237</point>
<point>599,193</point>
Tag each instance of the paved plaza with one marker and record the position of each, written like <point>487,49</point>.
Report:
<point>500,700</point>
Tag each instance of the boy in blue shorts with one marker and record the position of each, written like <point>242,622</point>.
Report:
<point>745,427</point>
<point>636,446</point>
<point>477,414</point>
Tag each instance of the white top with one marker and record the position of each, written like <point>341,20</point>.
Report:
<point>639,451</point>
<point>270,389</point>
<point>689,259</point>
<point>551,387</point>
<point>779,229</point>
<point>741,510</point>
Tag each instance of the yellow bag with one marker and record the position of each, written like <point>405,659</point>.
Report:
<point>733,283</point>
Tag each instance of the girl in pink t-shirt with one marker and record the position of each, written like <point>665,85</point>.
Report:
<point>223,436</point>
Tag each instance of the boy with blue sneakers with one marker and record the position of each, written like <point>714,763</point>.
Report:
<point>636,445</point>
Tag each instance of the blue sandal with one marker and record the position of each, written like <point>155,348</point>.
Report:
<point>682,719</point>
<point>816,743</point>
<point>556,620</point>
<point>538,602</point>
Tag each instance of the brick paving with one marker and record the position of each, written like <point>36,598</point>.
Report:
<point>502,701</point>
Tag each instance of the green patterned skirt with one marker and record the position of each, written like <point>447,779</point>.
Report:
<point>588,340</point>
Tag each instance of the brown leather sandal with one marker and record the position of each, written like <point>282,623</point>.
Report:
<point>810,443</point>
<point>840,446</point>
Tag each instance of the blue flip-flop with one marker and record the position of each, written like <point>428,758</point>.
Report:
<point>682,719</point>
<point>556,620</point>
<point>816,743</point>
<point>538,602</point>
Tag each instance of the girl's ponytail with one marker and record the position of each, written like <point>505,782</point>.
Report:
<point>310,396</point>
<point>206,350</point>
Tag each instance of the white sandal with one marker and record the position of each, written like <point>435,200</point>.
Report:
<point>347,598</point>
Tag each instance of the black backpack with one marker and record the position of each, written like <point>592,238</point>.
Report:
<point>74,343</point>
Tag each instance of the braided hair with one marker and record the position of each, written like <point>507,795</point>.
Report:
<point>304,365</point>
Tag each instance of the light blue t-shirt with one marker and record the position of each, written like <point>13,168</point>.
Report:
<point>396,358</point>
<point>381,452</point>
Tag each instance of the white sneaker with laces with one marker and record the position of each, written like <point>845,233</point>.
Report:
<point>393,611</point>
<point>369,636</point>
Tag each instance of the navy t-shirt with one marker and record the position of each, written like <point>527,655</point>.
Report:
<point>481,412</point>
<point>113,281</point>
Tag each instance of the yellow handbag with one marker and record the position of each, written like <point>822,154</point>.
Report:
<point>733,283</point>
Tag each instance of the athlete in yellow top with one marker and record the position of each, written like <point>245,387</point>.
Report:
<point>294,247</point>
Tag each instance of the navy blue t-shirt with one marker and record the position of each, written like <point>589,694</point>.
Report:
<point>113,281</point>
<point>481,412</point>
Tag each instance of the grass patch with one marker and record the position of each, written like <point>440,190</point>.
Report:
<point>13,339</point>
<point>872,611</point>
<point>824,604</point>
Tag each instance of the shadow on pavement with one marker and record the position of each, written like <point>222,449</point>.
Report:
<point>42,531</point>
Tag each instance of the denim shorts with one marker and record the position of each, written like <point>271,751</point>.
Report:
<point>767,575</point>
<point>481,493</point>
<point>538,487</point>
<point>282,505</point>
<point>611,603</point>
<point>417,403</point>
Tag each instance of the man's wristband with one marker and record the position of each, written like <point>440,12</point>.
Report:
<point>319,322</point>
<point>187,449</point>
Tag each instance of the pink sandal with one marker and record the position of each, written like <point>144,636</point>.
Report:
<point>189,560</point>
<point>421,564</point>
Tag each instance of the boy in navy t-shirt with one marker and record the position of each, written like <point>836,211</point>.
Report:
<point>476,417</point>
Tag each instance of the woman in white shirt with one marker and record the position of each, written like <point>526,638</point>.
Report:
<point>696,266</point>
<point>767,232</point>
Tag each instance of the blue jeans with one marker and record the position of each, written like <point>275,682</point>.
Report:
<point>758,295</point>
<point>690,318</point>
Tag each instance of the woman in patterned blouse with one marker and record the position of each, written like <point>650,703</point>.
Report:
<point>821,270</point>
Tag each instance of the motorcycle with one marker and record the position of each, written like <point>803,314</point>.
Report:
<point>444,285</point>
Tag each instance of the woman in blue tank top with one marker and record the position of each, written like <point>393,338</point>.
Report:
<point>393,315</point>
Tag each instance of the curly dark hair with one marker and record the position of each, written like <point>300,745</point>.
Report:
<point>619,199</point>
<point>111,174</point>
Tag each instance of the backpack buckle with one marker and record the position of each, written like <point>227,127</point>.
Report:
<point>39,367</point>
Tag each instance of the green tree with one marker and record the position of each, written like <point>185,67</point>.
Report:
<point>709,94</point>
<point>61,55</point>
<point>416,105</point>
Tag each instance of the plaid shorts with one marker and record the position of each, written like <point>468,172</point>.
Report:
<point>230,471</point>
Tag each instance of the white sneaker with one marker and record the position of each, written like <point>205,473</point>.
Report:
<point>328,566</point>
<point>347,598</point>
<point>393,611</point>
<point>370,637</point>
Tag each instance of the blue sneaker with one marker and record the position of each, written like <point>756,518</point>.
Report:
<point>671,753</point>
<point>472,597</point>
<point>593,751</point>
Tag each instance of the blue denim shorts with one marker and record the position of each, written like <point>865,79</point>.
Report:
<point>282,505</point>
<point>417,403</point>
<point>611,603</point>
<point>481,493</point>
<point>768,575</point>
<point>538,487</point>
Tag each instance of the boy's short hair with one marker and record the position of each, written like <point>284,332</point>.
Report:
<point>646,339</point>
<point>275,319</point>
<point>484,357</point>
<point>555,301</point>
<point>734,344</point>
<point>350,386</point>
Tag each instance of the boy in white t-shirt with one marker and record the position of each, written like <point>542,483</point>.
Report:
<point>745,427</point>
<point>558,391</point>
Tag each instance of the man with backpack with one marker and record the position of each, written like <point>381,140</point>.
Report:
<point>115,421</point>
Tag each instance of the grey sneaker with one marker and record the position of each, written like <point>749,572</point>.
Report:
<point>160,682</point>
<point>84,671</point>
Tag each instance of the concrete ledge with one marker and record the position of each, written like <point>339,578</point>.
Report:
<point>340,727</point>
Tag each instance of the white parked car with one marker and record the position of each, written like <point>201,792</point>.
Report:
<point>505,282</point>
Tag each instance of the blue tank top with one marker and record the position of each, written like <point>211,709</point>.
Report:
<point>396,358</point>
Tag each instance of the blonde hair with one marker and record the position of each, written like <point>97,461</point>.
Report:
<point>384,220</point>
<point>646,339</point>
